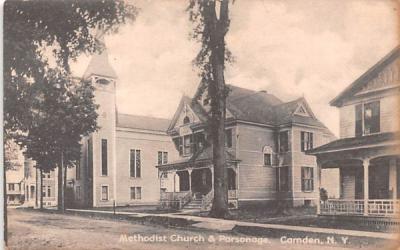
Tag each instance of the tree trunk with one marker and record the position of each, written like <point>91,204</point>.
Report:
<point>217,90</point>
<point>64,185</point>
<point>5,207</point>
<point>37,189</point>
<point>41,188</point>
<point>60,198</point>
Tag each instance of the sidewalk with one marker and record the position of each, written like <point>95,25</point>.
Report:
<point>227,225</point>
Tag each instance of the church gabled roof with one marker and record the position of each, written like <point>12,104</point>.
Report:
<point>366,77</point>
<point>142,122</point>
<point>99,63</point>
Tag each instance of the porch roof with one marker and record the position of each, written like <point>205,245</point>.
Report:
<point>196,160</point>
<point>356,143</point>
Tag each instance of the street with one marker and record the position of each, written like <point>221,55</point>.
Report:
<point>30,229</point>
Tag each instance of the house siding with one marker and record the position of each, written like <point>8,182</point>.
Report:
<point>255,180</point>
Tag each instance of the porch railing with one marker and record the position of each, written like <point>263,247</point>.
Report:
<point>175,200</point>
<point>384,208</point>
<point>207,199</point>
<point>343,207</point>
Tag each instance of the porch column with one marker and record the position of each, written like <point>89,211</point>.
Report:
<point>174,182</point>
<point>212,178</point>
<point>190,179</point>
<point>393,178</point>
<point>319,187</point>
<point>366,185</point>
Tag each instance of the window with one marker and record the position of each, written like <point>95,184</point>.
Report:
<point>44,191</point>
<point>32,191</point>
<point>283,141</point>
<point>307,179</point>
<point>282,179</point>
<point>267,159</point>
<point>186,120</point>
<point>78,170</point>
<point>371,118</point>
<point>135,163</point>
<point>199,142</point>
<point>104,158</point>
<point>187,144</point>
<point>136,193</point>
<point>162,157</point>
<point>90,158</point>
<point>11,187</point>
<point>306,141</point>
<point>48,191</point>
<point>228,138</point>
<point>178,145</point>
<point>104,193</point>
<point>367,118</point>
<point>78,192</point>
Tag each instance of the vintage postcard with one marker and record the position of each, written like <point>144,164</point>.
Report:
<point>201,124</point>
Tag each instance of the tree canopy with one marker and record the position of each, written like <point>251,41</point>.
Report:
<point>65,27</point>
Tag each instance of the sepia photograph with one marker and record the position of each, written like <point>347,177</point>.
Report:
<point>200,124</point>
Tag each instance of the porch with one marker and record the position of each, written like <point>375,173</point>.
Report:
<point>193,187</point>
<point>369,176</point>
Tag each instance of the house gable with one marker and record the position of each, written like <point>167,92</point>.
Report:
<point>184,112</point>
<point>381,76</point>
<point>387,78</point>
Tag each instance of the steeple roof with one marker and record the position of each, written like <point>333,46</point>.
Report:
<point>99,64</point>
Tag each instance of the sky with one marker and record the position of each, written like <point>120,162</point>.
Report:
<point>289,48</point>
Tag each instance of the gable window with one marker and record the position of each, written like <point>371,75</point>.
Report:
<point>306,141</point>
<point>186,120</point>
<point>104,158</point>
<point>135,163</point>
<point>367,118</point>
<point>136,193</point>
<point>284,141</point>
<point>228,138</point>
<point>307,179</point>
<point>104,193</point>
<point>282,179</point>
<point>162,157</point>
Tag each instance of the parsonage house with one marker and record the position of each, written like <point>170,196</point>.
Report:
<point>135,160</point>
<point>367,153</point>
<point>265,143</point>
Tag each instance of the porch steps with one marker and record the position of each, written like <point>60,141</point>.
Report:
<point>193,205</point>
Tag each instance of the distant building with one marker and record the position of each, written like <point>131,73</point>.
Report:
<point>15,186</point>
<point>367,153</point>
<point>265,143</point>
<point>33,187</point>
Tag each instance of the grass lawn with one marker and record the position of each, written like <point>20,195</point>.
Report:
<point>305,216</point>
<point>151,209</point>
